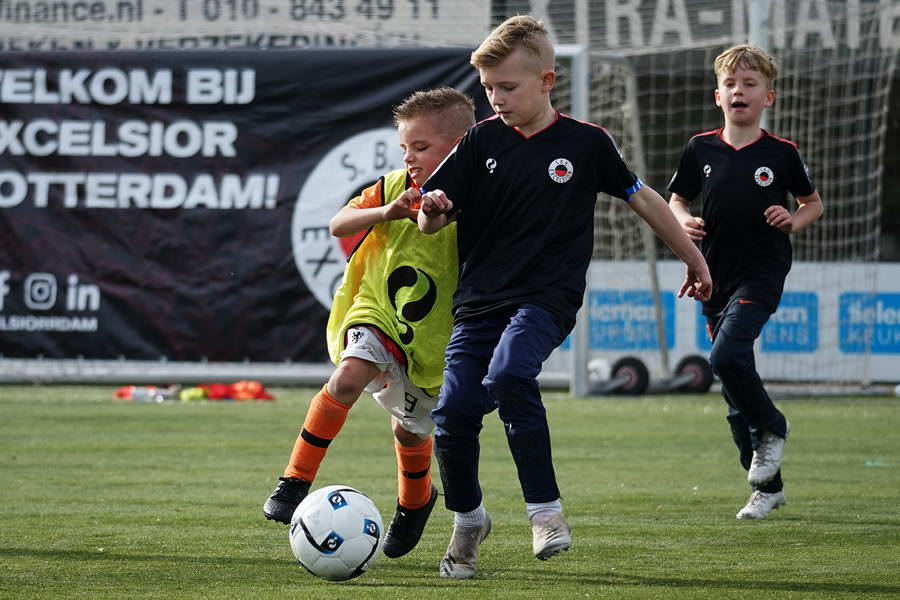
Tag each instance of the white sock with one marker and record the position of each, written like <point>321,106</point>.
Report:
<point>473,518</point>
<point>533,508</point>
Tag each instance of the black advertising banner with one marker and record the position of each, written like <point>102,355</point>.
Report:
<point>176,204</point>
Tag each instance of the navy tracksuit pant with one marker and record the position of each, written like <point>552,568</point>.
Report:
<point>492,362</point>
<point>750,409</point>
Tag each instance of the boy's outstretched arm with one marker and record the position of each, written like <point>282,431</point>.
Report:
<point>809,210</point>
<point>651,207</point>
<point>350,220</point>
<point>433,211</point>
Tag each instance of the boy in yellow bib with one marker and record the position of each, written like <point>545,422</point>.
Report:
<point>390,320</point>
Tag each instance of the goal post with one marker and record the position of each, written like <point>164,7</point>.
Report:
<point>572,95</point>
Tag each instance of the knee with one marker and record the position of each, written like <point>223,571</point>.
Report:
<point>502,384</point>
<point>452,420</point>
<point>726,361</point>
<point>404,437</point>
<point>347,383</point>
<point>518,400</point>
<point>460,409</point>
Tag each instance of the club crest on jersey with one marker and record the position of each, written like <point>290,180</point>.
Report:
<point>561,170</point>
<point>491,164</point>
<point>764,176</point>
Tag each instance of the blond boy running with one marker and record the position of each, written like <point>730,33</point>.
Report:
<point>522,187</point>
<point>390,320</point>
<point>744,174</point>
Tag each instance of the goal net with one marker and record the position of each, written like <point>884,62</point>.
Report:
<point>836,63</point>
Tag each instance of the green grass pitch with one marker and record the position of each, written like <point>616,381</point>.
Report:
<point>104,499</point>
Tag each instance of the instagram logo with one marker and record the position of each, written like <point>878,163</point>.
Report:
<point>40,291</point>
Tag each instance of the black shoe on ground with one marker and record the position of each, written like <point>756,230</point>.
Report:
<point>285,499</point>
<point>406,527</point>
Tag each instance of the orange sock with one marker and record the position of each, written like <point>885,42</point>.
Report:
<point>324,420</point>
<point>414,478</point>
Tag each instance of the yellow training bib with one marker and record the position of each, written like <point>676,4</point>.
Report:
<point>401,281</point>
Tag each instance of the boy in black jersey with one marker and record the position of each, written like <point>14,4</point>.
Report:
<point>522,186</point>
<point>743,174</point>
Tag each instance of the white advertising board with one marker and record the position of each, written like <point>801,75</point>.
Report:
<point>836,321</point>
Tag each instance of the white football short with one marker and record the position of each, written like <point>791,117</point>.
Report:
<point>393,390</point>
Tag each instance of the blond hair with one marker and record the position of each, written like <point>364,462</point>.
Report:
<point>749,57</point>
<point>522,31</point>
<point>455,110</point>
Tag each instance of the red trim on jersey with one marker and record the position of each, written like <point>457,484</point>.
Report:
<point>600,127</point>
<point>707,133</point>
<point>528,137</point>
<point>782,139</point>
<point>485,120</point>
<point>762,133</point>
<point>585,122</point>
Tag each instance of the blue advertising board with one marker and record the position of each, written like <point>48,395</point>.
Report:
<point>626,320</point>
<point>795,325</point>
<point>869,322</point>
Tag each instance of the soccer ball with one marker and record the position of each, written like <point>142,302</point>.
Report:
<point>336,533</point>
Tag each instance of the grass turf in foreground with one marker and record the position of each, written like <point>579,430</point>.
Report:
<point>100,499</point>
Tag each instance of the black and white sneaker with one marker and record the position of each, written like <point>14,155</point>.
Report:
<point>407,526</point>
<point>285,499</point>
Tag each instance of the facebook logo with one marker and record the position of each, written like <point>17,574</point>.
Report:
<point>4,287</point>
<point>795,325</point>
<point>626,320</point>
<point>869,323</point>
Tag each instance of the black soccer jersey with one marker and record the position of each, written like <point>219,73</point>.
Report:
<point>525,212</point>
<point>746,257</point>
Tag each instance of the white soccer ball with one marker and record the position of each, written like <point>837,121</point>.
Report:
<point>336,533</point>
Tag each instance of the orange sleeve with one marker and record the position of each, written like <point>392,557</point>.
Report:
<point>371,197</point>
